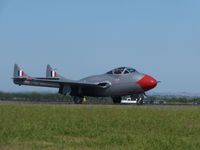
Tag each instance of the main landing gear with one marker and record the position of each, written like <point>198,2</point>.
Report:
<point>78,100</point>
<point>116,100</point>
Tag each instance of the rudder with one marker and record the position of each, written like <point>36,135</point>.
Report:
<point>18,72</point>
<point>51,73</point>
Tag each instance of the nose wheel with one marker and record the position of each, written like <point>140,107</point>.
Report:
<point>139,98</point>
<point>140,101</point>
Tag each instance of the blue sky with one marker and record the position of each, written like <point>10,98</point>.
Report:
<point>81,38</point>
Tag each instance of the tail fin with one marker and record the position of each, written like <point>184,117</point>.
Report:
<point>51,73</point>
<point>19,73</point>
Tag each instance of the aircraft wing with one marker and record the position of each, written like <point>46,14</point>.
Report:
<point>52,79</point>
<point>71,83</point>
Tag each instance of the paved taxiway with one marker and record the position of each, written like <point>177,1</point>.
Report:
<point>100,105</point>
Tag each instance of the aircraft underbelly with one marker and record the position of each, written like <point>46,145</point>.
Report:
<point>114,90</point>
<point>125,89</point>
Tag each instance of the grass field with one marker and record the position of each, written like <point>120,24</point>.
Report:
<point>98,127</point>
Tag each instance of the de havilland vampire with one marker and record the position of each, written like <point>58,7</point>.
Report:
<point>123,81</point>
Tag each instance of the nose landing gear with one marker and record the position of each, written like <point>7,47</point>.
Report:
<point>139,98</point>
<point>134,99</point>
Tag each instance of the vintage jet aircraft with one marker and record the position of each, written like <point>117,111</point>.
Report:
<point>123,81</point>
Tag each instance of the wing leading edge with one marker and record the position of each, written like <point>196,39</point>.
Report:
<point>68,83</point>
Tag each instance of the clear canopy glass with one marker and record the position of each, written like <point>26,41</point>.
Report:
<point>122,70</point>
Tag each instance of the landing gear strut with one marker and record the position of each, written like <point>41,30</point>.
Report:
<point>116,100</point>
<point>140,101</point>
<point>138,98</point>
<point>78,100</point>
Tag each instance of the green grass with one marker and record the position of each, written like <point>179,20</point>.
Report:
<point>98,127</point>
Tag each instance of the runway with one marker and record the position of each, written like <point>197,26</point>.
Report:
<point>100,105</point>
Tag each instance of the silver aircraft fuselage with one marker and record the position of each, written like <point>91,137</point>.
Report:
<point>115,83</point>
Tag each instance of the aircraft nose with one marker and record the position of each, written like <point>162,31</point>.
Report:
<point>147,82</point>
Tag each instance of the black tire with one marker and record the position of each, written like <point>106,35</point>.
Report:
<point>140,100</point>
<point>117,100</point>
<point>78,100</point>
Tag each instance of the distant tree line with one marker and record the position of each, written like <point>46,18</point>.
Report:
<point>47,97</point>
<point>54,97</point>
<point>33,96</point>
<point>174,99</point>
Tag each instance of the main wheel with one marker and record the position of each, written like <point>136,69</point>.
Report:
<point>116,100</point>
<point>78,100</point>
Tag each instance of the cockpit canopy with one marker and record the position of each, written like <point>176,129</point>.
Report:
<point>122,70</point>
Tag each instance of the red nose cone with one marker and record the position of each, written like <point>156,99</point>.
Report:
<point>147,82</point>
